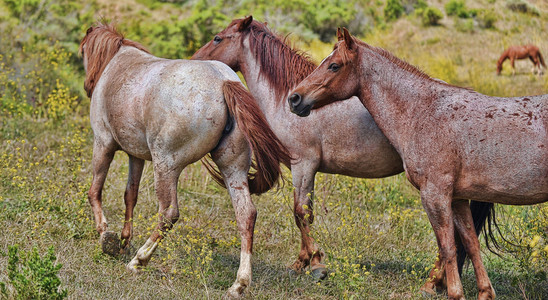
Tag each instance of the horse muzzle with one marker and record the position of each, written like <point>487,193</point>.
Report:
<point>297,105</point>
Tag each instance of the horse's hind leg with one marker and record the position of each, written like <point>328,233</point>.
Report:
<point>130,198</point>
<point>103,153</point>
<point>303,181</point>
<point>232,156</point>
<point>536,64</point>
<point>165,179</point>
<point>464,224</point>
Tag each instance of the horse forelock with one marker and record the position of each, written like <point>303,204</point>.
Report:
<point>281,65</point>
<point>101,43</point>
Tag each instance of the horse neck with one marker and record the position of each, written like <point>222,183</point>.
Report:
<point>263,92</point>
<point>270,93</point>
<point>503,57</point>
<point>394,95</point>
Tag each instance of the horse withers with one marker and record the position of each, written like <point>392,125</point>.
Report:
<point>455,143</point>
<point>173,113</point>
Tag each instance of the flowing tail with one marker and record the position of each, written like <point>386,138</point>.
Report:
<point>483,213</point>
<point>267,149</point>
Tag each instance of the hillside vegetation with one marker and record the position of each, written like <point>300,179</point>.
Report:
<point>376,236</point>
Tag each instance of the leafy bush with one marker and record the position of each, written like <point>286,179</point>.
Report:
<point>411,6</point>
<point>523,6</point>
<point>33,277</point>
<point>393,10</point>
<point>456,8</point>
<point>431,16</point>
<point>39,43</point>
<point>486,18</point>
<point>465,25</point>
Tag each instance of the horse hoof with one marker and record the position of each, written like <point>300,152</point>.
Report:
<point>232,293</point>
<point>110,243</point>
<point>133,268</point>
<point>428,292</point>
<point>292,272</point>
<point>125,251</point>
<point>319,272</point>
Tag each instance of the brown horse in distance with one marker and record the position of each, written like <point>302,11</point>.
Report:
<point>522,52</point>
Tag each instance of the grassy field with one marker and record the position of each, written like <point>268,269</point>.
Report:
<point>376,236</point>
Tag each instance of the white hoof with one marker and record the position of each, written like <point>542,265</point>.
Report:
<point>134,266</point>
<point>234,292</point>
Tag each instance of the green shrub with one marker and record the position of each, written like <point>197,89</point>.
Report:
<point>33,277</point>
<point>522,6</point>
<point>456,8</point>
<point>393,10</point>
<point>465,25</point>
<point>431,16</point>
<point>486,18</point>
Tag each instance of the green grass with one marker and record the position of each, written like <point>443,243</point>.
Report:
<point>376,236</point>
<point>377,239</point>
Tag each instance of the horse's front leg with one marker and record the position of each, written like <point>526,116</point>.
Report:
<point>303,181</point>
<point>165,179</point>
<point>436,199</point>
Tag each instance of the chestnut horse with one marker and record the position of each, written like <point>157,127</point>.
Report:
<point>455,144</point>
<point>521,52</point>
<point>173,112</point>
<point>271,69</point>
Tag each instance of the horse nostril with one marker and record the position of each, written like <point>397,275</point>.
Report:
<point>295,99</point>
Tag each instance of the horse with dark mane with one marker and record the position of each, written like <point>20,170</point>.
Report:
<point>522,52</point>
<point>456,144</point>
<point>354,147</point>
<point>174,112</point>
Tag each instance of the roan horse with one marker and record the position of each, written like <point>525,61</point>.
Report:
<point>521,52</point>
<point>173,112</point>
<point>455,143</point>
<point>354,147</point>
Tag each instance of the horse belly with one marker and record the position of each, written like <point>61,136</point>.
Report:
<point>517,179</point>
<point>133,141</point>
<point>355,147</point>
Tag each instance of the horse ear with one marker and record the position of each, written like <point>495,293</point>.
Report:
<point>245,23</point>
<point>348,39</point>
<point>339,34</point>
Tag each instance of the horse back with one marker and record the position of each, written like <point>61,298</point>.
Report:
<point>497,148</point>
<point>150,105</point>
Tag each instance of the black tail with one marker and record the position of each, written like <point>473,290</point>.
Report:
<point>482,213</point>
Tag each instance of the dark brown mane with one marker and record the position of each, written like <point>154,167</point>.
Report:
<point>395,60</point>
<point>283,66</point>
<point>102,42</point>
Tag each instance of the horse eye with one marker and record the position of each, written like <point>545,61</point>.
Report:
<point>217,39</point>
<point>333,67</point>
